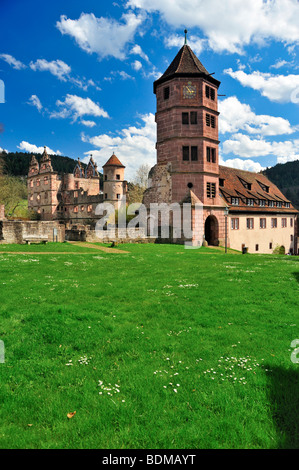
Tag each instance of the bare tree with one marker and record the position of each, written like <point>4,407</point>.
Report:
<point>141,176</point>
<point>139,184</point>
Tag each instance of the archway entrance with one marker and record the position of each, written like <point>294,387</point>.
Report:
<point>211,230</point>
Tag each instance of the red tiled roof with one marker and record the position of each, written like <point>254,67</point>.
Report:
<point>233,187</point>
<point>114,161</point>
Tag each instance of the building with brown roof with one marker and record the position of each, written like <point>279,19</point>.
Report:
<point>240,209</point>
<point>72,198</point>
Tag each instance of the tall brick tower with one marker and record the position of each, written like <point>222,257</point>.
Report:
<point>187,139</point>
<point>187,127</point>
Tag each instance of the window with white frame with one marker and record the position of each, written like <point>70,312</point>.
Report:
<point>250,223</point>
<point>263,223</point>
<point>235,223</point>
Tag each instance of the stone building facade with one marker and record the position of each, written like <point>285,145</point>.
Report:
<point>239,209</point>
<point>72,198</point>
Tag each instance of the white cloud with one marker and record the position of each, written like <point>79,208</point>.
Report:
<point>290,158</point>
<point>277,88</point>
<point>137,65</point>
<point>154,74</point>
<point>56,67</point>
<point>248,165</point>
<point>31,148</point>
<point>121,74</point>
<point>74,106</point>
<point>197,44</point>
<point>244,147</point>
<point>138,51</point>
<point>279,63</point>
<point>103,36</point>
<point>235,116</point>
<point>90,82</point>
<point>133,145</point>
<point>35,101</point>
<point>230,25</point>
<point>16,64</point>
<point>88,123</point>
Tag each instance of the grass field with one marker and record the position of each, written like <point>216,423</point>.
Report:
<point>157,348</point>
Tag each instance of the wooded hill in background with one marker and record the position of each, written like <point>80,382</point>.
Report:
<point>17,163</point>
<point>286,178</point>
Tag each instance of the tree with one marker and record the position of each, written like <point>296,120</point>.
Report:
<point>13,191</point>
<point>1,165</point>
<point>139,184</point>
<point>141,176</point>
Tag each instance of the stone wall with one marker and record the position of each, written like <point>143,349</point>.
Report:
<point>14,231</point>
<point>159,186</point>
<point>85,233</point>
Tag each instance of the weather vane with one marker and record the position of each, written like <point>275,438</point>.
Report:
<point>185,35</point>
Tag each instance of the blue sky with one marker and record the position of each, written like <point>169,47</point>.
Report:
<point>79,75</point>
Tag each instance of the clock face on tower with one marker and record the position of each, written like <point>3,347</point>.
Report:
<point>189,91</point>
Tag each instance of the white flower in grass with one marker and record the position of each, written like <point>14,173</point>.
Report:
<point>175,390</point>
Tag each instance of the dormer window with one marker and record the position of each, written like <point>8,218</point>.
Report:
<point>278,204</point>
<point>263,186</point>
<point>262,202</point>
<point>250,202</point>
<point>245,184</point>
<point>235,201</point>
<point>221,182</point>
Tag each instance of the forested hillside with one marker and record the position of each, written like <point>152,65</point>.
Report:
<point>17,163</point>
<point>286,177</point>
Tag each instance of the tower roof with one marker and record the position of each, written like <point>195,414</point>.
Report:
<point>114,161</point>
<point>185,64</point>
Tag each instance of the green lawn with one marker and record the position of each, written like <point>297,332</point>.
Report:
<point>158,348</point>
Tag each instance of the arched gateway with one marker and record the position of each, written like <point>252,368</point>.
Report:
<point>212,230</point>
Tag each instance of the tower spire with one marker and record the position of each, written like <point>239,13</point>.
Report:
<point>186,31</point>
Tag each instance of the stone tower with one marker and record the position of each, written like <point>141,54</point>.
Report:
<point>187,141</point>
<point>187,127</point>
<point>114,187</point>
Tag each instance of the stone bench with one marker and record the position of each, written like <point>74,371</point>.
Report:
<point>35,239</point>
